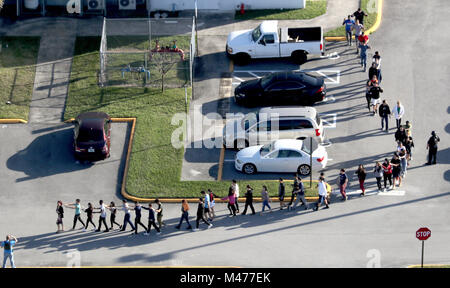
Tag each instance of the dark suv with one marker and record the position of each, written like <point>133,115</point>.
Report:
<point>92,136</point>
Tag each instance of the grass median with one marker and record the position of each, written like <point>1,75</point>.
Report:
<point>312,9</point>
<point>369,21</point>
<point>155,165</point>
<point>18,57</point>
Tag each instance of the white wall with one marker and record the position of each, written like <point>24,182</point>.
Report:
<point>226,4</point>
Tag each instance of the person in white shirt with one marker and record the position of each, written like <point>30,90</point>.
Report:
<point>126,219</point>
<point>236,194</point>
<point>102,218</point>
<point>322,187</point>
<point>398,111</point>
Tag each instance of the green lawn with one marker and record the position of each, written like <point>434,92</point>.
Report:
<point>18,57</point>
<point>155,165</point>
<point>313,9</point>
<point>368,20</point>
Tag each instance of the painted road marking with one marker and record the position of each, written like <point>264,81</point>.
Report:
<point>371,192</point>
<point>327,122</point>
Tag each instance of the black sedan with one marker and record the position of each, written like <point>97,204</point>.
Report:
<point>92,136</point>
<point>281,88</point>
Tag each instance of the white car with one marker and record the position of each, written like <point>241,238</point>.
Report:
<point>282,156</point>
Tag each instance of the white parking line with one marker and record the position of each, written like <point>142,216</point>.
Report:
<point>228,160</point>
<point>333,77</point>
<point>327,123</point>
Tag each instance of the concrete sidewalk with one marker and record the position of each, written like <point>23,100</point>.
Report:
<point>53,71</point>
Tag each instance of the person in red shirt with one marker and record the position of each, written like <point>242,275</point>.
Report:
<point>363,38</point>
<point>387,173</point>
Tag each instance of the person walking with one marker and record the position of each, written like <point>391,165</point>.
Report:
<point>375,91</point>
<point>90,213</point>
<point>151,220</point>
<point>60,216</point>
<point>432,146</point>
<point>112,217</point>
<point>236,194</point>
<point>300,192</point>
<point>373,70</point>
<point>343,181</point>
<point>159,213</point>
<point>322,188</point>
<point>385,112</point>
<point>358,28</point>
<point>400,135</point>
<point>377,60</point>
<point>407,128</point>
<point>398,111</point>
<point>363,54</point>
<point>396,170</point>
<point>212,200</point>
<point>200,215</point>
<point>206,202</point>
<point>231,201</point>
<point>359,15</point>
<point>127,216</point>
<point>402,154</point>
<point>8,247</point>
<point>102,218</point>
<point>378,171</point>
<point>409,144</point>
<point>363,39</point>
<point>293,193</point>
<point>137,218</point>
<point>184,214</point>
<point>77,217</point>
<point>249,200</point>
<point>387,173</point>
<point>348,29</point>
<point>361,172</point>
<point>370,83</point>
<point>265,199</point>
<point>281,193</point>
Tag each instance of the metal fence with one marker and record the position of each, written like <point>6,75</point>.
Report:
<point>148,52</point>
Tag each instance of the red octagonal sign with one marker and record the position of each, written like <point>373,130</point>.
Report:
<point>423,233</point>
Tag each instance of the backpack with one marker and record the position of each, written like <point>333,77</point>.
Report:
<point>211,197</point>
<point>7,245</point>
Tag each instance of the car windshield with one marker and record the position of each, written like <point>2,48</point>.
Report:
<point>90,135</point>
<point>256,33</point>
<point>307,143</point>
<point>265,81</point>
<point>249,120</point>
<point>266,149</point>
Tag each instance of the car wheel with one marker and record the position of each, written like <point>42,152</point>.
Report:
<point>299,57</point>
<point>249,169</point>
<point>304,170</point>
<point>240,144</point>
<point>242,59</point>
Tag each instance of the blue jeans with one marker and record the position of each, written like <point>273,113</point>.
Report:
<point>266,203</point>
<point>348,34</point>
<point>404,164</point>
<point>11,259</point>
<point>385,119</point>
<point>127,220</point>
<point>184,216</point>
<point>364,60</point>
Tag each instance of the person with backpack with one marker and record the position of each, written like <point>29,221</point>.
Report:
<point>281,193</point>
<point>387,173</point>
<point>184,214</point>
<point>77,217</point>
<point>159,214</point>
<point>59,219</point>
<point>384,112</point>
<point>432,146</point>
<point>151,220</point>
<point>361,172</point>
<point>89,211</point>
<point>249,200</point>
<point>200,215</point>
<point>300,193</point>
<point>378,171</point>
<point>8,245</point>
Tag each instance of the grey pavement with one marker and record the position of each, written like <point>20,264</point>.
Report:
<point>52,76</point>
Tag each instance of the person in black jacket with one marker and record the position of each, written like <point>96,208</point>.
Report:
<point>432,146</point>
<point>249,200</point>
<point>409,144</point>
<point>374,92</point>
<point>373,70</point>
<point>400,135</point>
<point>384,111</point>
<point>200,214</point>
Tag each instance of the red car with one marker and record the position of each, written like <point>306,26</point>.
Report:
<point>92,136</point>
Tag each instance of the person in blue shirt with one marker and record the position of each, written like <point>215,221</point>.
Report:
<point>8,247</point>
<point>349,23</point>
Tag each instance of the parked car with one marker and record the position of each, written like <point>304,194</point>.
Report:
<point>92,136</point>
<point>273,123</point>
<point>281,88</point>
<point>282,156</point>
<point>269,41</point>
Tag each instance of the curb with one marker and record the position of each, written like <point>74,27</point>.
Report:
<point>428,265</point>
<point>369,31</point>
<point>13,121</point>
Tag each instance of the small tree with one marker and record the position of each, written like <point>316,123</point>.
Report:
<point>164,62</point>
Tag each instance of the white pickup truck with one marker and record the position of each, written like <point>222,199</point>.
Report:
<point>269,41</point>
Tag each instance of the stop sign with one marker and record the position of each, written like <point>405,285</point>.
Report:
<point>423,233</point>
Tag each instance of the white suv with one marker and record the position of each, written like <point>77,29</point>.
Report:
<point>273,123</point>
